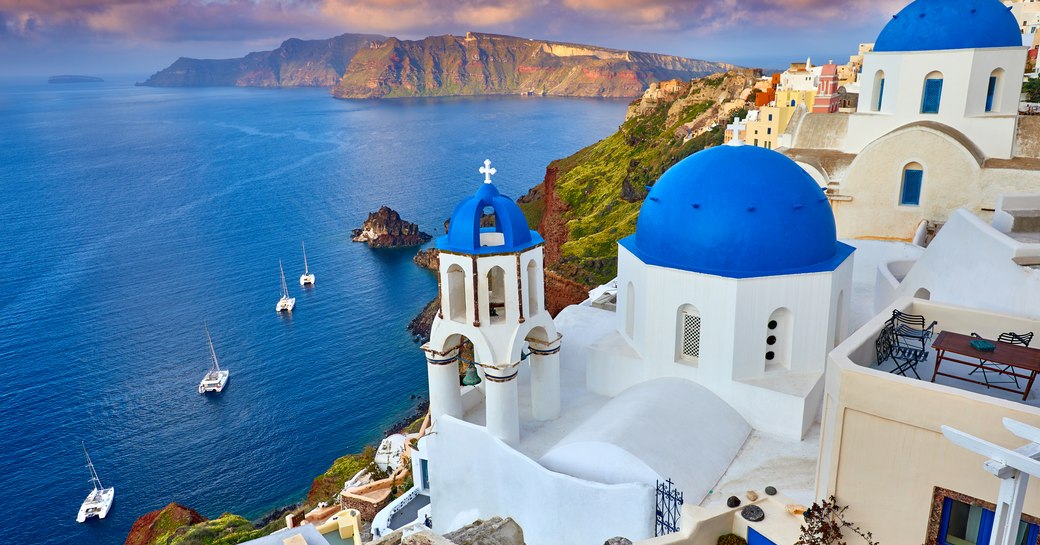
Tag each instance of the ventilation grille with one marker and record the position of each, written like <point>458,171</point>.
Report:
<point>691,346</point>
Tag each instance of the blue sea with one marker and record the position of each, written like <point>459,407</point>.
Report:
<point>131,216</point>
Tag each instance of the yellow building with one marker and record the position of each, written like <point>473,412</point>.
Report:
<point>764,127</point>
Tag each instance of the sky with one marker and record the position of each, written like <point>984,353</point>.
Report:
<point>46,37</point>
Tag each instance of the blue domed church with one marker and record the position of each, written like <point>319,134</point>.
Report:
<point>735,280</point>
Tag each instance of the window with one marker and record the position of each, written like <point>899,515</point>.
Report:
<point>932,93</point>
<point>689,335</point>
<point>770,117</point>
<point>993,91</point>
<point>456,296</point>
<point>496,296</point>
<point>778,339</point>
<point>965,524</point>
<point>913,177</point>
<point>534,288</point>
<point>769,130</point>
<point>792,102</point>
<point>879,91</point>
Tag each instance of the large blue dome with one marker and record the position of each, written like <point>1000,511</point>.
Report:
<point>509,235</point>
<point>737,211</point>
<point>928,25</point>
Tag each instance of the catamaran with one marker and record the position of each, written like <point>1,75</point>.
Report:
<point>306,279</point>
<point>286,303</point>
<point>99,501</point>
<point>216,378</point>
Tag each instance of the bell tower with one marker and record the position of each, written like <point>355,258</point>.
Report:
<point>492,294</point>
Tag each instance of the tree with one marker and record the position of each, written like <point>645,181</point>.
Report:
<point>1031,88</point>
<point>825,525</point>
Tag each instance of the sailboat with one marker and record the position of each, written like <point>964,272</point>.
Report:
<point>286,303</point>
<point>99,501</point>
<point>216,378</point>
<point>307,278</point>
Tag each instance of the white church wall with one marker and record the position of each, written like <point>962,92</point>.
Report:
<point>476,476</point>
<point>965,75</point>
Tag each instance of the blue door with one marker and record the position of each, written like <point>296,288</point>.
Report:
<point>755,538</point>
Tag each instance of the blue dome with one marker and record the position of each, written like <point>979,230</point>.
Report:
<point>737,211</point>
<point>929,25</point>
<point>464,230</point>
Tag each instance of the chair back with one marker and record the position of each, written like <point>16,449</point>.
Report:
<point>1016,338</point>
<point>915,321</point>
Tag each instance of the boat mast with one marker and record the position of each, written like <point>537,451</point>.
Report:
<point>305,269</point>
<point>285,289</point>
<point>213,353</point>
<point>94,479</point>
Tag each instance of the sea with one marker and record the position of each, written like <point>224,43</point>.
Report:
<point>131,217</point>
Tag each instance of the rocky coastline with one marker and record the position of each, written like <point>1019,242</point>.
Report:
<point>384,228</point>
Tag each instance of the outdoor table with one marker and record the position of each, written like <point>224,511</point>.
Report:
<point>1024,361</point>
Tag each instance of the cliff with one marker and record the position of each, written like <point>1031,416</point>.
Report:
<point>296,63</point>
<point>490,64</point>
<point>384,228</point>
<point>590,200</point>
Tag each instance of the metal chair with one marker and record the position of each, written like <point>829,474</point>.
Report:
<point>1010,337</point>
<point>906,341</point>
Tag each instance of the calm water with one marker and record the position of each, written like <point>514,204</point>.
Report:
<point>131,215</point>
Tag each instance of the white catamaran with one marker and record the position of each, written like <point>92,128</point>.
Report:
<point>307,278</point>
<point>216,378</point>
<point>286,303</point>
<point>99,501</point>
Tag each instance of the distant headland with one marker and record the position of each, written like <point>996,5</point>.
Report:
<point>74,79</point>
<point>372,66</point>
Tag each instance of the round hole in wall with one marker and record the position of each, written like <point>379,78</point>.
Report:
<point>770,355</point>
<point>772,324</point>
<point>771,340</point>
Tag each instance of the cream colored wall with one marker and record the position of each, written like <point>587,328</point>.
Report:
<point>760,130</point>
<point>882,451</point>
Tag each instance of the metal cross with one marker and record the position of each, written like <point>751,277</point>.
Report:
<point>487,171</point>
<point>736,127</point>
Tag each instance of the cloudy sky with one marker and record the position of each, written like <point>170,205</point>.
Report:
<point>143,36</point>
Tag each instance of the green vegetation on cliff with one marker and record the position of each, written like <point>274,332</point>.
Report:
<point>227,529</point>
<point>328,484</point>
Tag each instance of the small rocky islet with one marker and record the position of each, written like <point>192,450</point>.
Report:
<point>384,228</point>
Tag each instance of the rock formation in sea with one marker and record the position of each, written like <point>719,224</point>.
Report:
<point>492,64</point>
<point>296,63</point>
<point>428,259</point>
<point>162,526</point>
<point>372,66</point>
<point>384,228</point>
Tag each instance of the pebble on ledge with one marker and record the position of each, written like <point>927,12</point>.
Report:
<point>384,228</point>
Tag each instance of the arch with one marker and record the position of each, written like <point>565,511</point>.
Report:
<point>630,311</point>
<point>534,288</point>
<point>879,91</point>
<point>923,293</point>
<point>913,182</point>
<point>688,335</point>
<point>931,95</point>
<point>779,330</point>
<point>994,87</point>
<point>455,294</point>
<point>449,334</point>
<point>496,294</point>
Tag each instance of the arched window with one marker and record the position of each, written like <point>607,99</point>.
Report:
<point>993,90</point>
<point>456,293</point>
<point>879,91</point>
<point>688,335</point>
<point>913,179</point>
<point>630,311</point>
<point>496,282</point>
<point>778,339</point>
<point>932,95</point>
<point>534,288</point>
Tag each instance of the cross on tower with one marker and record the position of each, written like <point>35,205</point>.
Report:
<point>736,127</point>
<point>487,171</point>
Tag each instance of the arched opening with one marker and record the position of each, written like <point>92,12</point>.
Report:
<point>932,95</point>
<point>879,91</point>
<point>491,237</point>
<point>839,320</point>
<point>456,293</point>
<point>993,89</point>
<point>779,329</point>
<point>688,335</point>
<point>923,293</point>
<point>913,182</point>
<point>630,311</point>
<point>496,291</point>
<point>534,288</point>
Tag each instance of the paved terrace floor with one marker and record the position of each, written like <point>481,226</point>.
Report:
<point>409,512</point>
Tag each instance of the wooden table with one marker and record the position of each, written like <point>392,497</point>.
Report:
<point>1024,361</point>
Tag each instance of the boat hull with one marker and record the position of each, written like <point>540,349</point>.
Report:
<point>285,304</point>
<point>215,384</point>
<point>97,504</point>
<point>306,279</point>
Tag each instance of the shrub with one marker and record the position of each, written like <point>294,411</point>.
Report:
<point>731,539</point>
<point>825,524</point>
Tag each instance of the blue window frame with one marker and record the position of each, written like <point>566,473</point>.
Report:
<point>911,192</point>
<point>932,96</point>
<point>770,117</point>
<point>990,91</point>
<point>964,524</point>
<point>880,94</point>
<point>769,130</point>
